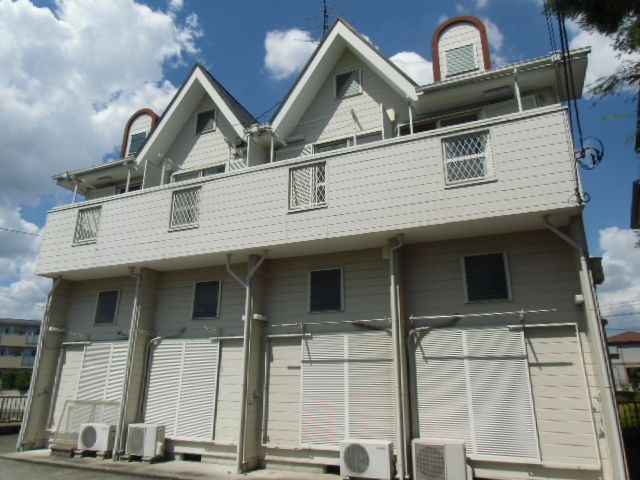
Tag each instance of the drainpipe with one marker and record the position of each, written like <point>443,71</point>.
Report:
<point>246,350</point>
<point>595,325</point>
<point>410,120</point>
<point>516,88</point>
<point>398,359</point>
<point>133,335</point>
<point>44,331</point>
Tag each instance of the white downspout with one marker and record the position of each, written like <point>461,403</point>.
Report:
<point>397,359</point>
<point>246,351</point>
<point>133,334</point>
<point>162,172</point>
<point>410,120</point>
<point>516,88</point>
<point>271,149</point>
<point>595,325</point>
<point>44,331</point>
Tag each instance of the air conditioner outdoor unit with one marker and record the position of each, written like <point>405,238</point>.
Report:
<point>145,440</point>
<point>366,459</point>
<point>437,459</point>
<point>96,437</point>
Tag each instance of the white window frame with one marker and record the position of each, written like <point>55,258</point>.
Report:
<point>115,316</point>
<point>309,290</point>
<point>93,239</point>
<point>215,121</point>
<point>314,205</point>
<point>488,161</point>
<point>200,172</point>
<point>342,72</point>
<point>193,298</point>
<point>186,225</point>
<point>507,273</point>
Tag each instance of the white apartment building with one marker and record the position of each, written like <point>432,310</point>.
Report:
<point>381,261</point>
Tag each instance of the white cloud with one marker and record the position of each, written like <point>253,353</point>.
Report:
<point>416,67</point>
<point>287,51</point>
<point>496,37</point>
<point>481,3</point>
<point>71,76</point>
<point>620,293</point>
<point>604,59</point>
<point>176,5</point>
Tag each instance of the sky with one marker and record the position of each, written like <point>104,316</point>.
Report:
<point>73,71</point>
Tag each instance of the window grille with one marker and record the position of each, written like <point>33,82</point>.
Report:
<point>461,59</point>
<point>307,186</point>
<point>87,224</point>
<point>467,157</point>
<point>185,208</point>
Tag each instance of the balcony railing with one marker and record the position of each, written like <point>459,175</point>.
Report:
<point>12,409</point>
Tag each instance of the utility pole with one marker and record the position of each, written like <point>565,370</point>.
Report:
<point>325,19</point>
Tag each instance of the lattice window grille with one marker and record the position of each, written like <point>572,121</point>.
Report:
<point>185,208</point>
<point>307,186</point>
<point>467,157</point>
<point>87,224</point>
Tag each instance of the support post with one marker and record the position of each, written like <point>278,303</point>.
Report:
<point>516,89</point>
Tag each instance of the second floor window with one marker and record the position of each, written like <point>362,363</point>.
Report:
<point>87,225</point>
<point>467,157</point>
<point>307,186</point>
<point>185,208</point>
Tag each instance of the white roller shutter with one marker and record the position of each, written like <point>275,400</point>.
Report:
<point>347,388</point>
<point>473,385</point>
<point>182,388</point>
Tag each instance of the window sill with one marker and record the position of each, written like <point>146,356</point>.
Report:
<point>497,300</point>
<point>478,181</point>
<point>307,209</point>
<point>184,227</point>
<point>84,242</point>
<point>197,134</point>
<point>205,318</point>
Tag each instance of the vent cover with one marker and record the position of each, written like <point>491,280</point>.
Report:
<point>89,436</point>
<point>356,458</point>
<point>135,441</point>
<point>430,462</point>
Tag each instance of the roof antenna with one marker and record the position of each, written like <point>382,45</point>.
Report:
<point>325,18</point>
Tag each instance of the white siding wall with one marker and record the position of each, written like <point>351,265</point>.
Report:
<point>196,151</point>
<point>387,188</point>
<point>329,118</point>
<point>458,35</point>
<point>229,389</point>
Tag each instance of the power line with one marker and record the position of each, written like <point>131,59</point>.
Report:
<point>19,231</point>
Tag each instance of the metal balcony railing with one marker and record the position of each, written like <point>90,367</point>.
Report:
<point>12,409</point>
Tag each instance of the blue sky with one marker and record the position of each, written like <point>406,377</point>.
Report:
<point>79,69</point>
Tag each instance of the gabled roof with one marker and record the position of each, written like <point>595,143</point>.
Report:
<point>626,337</point>
<point>327,53</point>
<point>183,103</point>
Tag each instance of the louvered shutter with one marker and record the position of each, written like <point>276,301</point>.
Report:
<point>441,384</point>
<point>323,390</point>
<point>473,385</point>
<point>461,59</point>
<point>348,84</point>
<point>198,389</point>
<point>370,387</point>
<point>163,389</point>
<point>182,386</point>
<point>503,415</point>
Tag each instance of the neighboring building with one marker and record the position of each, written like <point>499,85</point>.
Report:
<point>624,352</point>
<point>382,260</point>
<point>18,341</point>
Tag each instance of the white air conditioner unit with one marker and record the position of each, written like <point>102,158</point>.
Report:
<point>96,437</point>
<point>145,440</point>
<point>436,459</point>
<point>366,459</point>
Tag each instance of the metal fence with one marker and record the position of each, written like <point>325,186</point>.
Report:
<point>12,409</point>
<point>629,415</point>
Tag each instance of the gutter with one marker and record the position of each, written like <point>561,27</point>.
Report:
<point>594,322</point>
<point>398,361</point>
<point>44,333</point>
<point>246,351</point>
<point>133,335</point>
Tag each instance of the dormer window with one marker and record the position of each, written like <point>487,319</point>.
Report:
<point>137,140</point>
<point>206,122</point>
<point>348,83</point>
<point>461,60</point>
